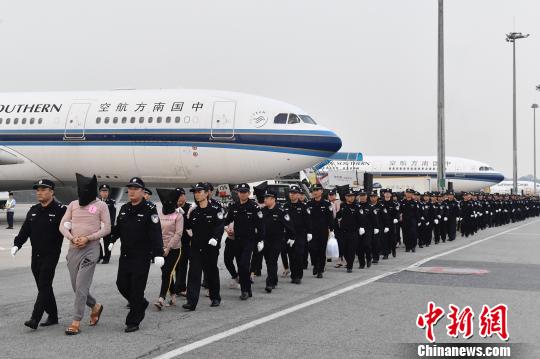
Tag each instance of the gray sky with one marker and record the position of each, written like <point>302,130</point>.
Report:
<point>359,67</point>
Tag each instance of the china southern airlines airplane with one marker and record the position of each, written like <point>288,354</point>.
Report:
<point>166,137</point>
<point>465,174</point>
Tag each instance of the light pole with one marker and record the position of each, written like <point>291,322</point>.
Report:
<point>441,156</point>
<point>512,37</point>
<point>534,107</point>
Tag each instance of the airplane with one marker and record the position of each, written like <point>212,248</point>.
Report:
<point>465,174</point>
<point>167,137</point>
<point>525,187</point>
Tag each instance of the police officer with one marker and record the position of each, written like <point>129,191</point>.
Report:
<point>390,218</point>
<point>468,215</point>
<point>366,236</point>
<point>452,215</point>
<point>205,224</point>
<point>147,194</point>
<point>248,231</point>
<point>139,231</point>
<point>302,227</point>
<point>377,224</point>
<point>180,285</point>
<point>410,220</point>
<point>350,225</point>
<point>41,226</point>
<point>322,222</point>
<point>104,192</point>
<point>278,230</point>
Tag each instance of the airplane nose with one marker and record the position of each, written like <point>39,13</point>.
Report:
<point>334,142</point>
<point>499,177</point>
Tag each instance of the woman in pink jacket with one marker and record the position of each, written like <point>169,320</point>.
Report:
<point>172,225</point>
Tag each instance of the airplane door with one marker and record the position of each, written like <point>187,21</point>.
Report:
<point>223,116</point>
<point>75,121</point>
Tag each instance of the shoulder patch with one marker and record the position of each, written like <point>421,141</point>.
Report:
<point>155,218</point>
<point>220,215</point>
<point>287,217</point>
<point>308,210</point>
<point>260,214</point>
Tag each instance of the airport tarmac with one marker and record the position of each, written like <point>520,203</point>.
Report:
<point>369,313</point>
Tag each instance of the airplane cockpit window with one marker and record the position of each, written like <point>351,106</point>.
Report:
<point>281,118</point>
<point>485,168</point>
<point>293,119</point>
<point>308,119</point>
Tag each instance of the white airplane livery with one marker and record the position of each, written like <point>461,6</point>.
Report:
<point>465,174</point>
<point>166,137</point>
<point>525,187</point>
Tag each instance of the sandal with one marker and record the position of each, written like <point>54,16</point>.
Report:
<point>73,330</point>
<point>338,265</point>
<point>94,316</point>
<point>159,303</point>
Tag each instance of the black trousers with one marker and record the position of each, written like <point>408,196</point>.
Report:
<point>410,235</point>
<point>364,249</point>
<point>451,228</point>
<point>43,268</point>
<point>244,250</point>
<point>131,283</point>
<point>272,250</point>
<point>386,241</point>
<point>284,255</point>
<point>256,262</point>
<point>105,253</point>
<point>296,255</point>
<point>9,216</point>
<point>317,250</point>
<point>179,283</point>
<point>376,247</point>
<point>229,256</point>
<point>167,272</point>
<point>349,242</point>
<point>341,245</point>
<point>203,259</point>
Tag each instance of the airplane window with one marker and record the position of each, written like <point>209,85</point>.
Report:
<point>177,119</point>
<point>281,118</point>
<point>292,119</point>
<point>15,121</point>
<point>168,119</point>
<point>150,119</point>
<point>0,121</point>
<point>23,121</point>
<point>115,120</point>
<point>308,119</point>
<point>40,121</point>
<point>132,120</point>
<point>32,120</point>
<point>124,119</point>
<point>483,168</point>
<point>8,120</point>
<point>107,120</point>
<point>141,119</point>
<point>186,119</point>
<point>158,119</point>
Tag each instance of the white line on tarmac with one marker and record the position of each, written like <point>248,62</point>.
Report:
<point>216,337</point>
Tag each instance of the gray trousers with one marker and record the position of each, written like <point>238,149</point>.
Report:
<point>81,264</point>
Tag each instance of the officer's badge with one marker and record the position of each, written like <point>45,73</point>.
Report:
<point>385,211</point>
<point>220,215</point>
<point>361,211</point>
<point>155,218</point>
<point>308,210</point>
<point>260,214</point>
<point>287,217</point>
<point>330,208</point>
<point>375,211</point>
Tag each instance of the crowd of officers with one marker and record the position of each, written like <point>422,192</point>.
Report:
<point>184,240</point>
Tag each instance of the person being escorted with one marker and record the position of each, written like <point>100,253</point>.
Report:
<point>85,222</point>
<point>41,226</point>
<point>10,210</point>
<point>180,283</point>
<point>172,226</point>
<point>104,192</point>
<point>278,230</point>
<point>205,223</point>
<point>139,230</point>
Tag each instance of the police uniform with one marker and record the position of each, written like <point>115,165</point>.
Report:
<point>139,230</point>
<point>364,250</point>
<point>377,224</point>
<point>390,216</point>
<point>322,222</point>
<point>451,217</point>
<point>278,231</point>
<point>41,226</point>
<point>105,253</point>
<point>248,231</point>
<point>302,226</point>
<point>410,219</point>
<point>349,223</point>
<point>206,226</point>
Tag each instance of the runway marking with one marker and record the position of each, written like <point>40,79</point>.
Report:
<point>219,336</point>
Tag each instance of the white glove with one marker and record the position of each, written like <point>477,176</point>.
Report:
<point>212,242</point>
<point>110,247</point>
<point>14,250</point>
<point>472,215</point>
<point>386,229</point>
<point>419,224</point>
<point>67,225</point>
<point>159,261</point>
<point>445,219</point>
<point>395,220</point>
<point>361,231</point>
<point>309,237</point>
<point>436,221</point>
<point>189,232</point>
<point>422,218</point>
<point>260,246</point>
<point>487,212</point>
<point>376,231</point>
<point>427,223</point>
<point>290,242</point>
<point>439,216</point>
<point>331,235</point>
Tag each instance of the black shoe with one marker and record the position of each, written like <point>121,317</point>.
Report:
<point>407,250</point>
<point>394,253</point>
<point>9,227</point>
<point>131,328</point>
<point>215,303</point>
<point>189,307</point>
<point>250,294</point>
<point>244,296</point>
<point>349,270</point>
<point>375,262</point>
<point>362,266</point>
<point>50,321</point>
<point>314,271</point>
<point>32,323</point>
<point>328,260</point>
<point>413,250</point>
<point>420,246</point>
<point>268,289</point>
<point>105,261</point>
<point>368,264</point>
<point>319,275</point>
<point>385,256</point>
<point>298,281</point>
